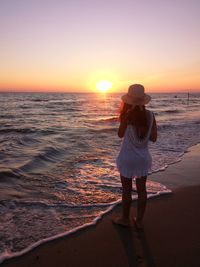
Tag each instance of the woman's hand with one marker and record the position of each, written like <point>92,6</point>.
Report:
<point>123,125</point>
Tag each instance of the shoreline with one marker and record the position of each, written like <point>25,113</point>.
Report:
<point>184,168</point>
<point>170,176</point>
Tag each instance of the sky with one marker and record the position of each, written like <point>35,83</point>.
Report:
<point>71,45</point>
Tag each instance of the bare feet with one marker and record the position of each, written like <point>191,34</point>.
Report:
<point>121,221</point>
<point>138,224</point>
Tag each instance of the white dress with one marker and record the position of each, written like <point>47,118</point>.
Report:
<point>134,159</point>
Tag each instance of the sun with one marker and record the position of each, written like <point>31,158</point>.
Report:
<point>104,86</point>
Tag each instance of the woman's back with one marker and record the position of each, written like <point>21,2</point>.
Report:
<point>138,136</point>
<point>134,158</point>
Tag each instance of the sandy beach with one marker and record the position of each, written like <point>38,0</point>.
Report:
<point>171,236</point>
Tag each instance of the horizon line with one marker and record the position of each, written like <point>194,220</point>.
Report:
<point>89,92</point>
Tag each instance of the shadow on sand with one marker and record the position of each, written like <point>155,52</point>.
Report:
<point>136,246</point>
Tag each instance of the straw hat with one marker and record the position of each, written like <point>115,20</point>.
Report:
<point>136,96</point>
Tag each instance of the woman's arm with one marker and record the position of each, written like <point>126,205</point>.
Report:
<point>122,126</point>
<point>153,135</point>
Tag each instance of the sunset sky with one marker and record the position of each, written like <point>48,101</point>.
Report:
<point>71,45</point>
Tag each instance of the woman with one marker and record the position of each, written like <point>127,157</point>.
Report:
<point>137,127</point>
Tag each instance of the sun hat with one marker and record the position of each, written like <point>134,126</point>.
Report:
<point>136,96</point>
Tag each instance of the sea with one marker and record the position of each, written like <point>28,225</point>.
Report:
<point>57,160</point>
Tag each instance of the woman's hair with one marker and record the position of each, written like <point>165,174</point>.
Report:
<point>137,117</point>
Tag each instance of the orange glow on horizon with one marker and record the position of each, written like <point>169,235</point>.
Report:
<point>79,89</point>
<point>89,83</point>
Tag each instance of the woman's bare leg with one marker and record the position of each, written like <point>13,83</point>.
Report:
<point>126,202</point>
<point>142,199</point>
<point>126,197</point>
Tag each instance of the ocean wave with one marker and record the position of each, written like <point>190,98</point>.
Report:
<point>39,100</point>
<point>68,101</point>
<point>177,124</point>
<point>165,112</point>
<point>27,140</point>
<point>109,119</point>
<point>26,131</point>
<point>26,107</point>
<point>42,204</point>
<point>165,126</point>
<point>7,116</point>
<point>4,174</point>
<point>48,155</point>
<point>103,130</point>
<point>17,130</point>
<point>172,111</point>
